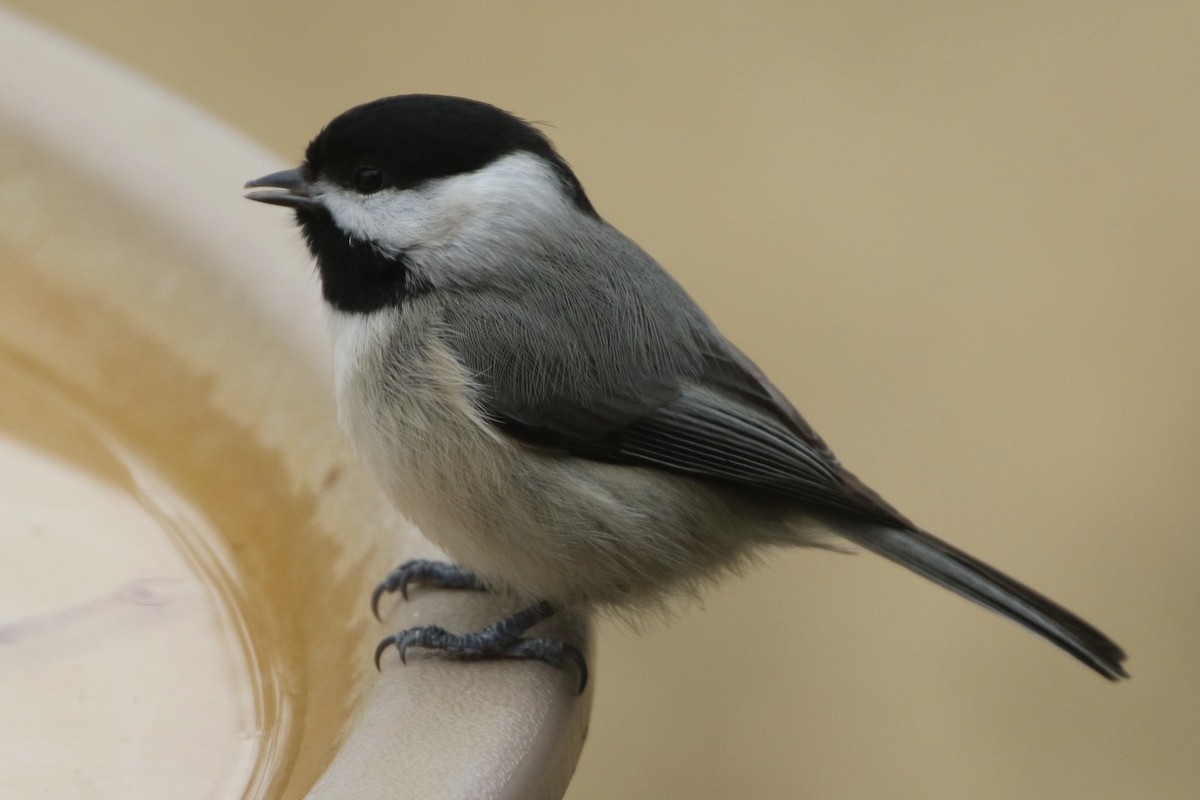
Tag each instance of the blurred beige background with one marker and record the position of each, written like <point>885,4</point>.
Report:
<point>963,239</point>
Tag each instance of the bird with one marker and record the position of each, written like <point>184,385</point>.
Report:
<point>550,406</point>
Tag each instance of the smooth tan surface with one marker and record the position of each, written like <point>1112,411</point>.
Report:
<point>179,371</point>
<point>108,588</point>
<point>962,237</point>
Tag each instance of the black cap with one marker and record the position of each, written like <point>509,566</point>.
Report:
<point>408,139</point>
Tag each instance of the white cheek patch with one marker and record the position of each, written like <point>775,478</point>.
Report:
<point>518,188</point>
<point>394,220</point>
<point>509,198</point>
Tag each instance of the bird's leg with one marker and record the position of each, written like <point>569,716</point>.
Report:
<point>498,640</point>
<point>438,574</point>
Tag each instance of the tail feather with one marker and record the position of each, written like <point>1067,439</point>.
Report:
<point>950,567</point>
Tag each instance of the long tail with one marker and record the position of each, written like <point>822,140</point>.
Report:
<point>948,566</point>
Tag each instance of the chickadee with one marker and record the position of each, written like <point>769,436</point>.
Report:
<point>548,405</point>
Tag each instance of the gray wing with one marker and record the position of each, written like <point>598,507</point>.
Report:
<point>705,433</point>
<point>618,364</point>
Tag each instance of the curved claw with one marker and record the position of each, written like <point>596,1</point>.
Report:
<point>387,586</point>
<point>387,642</point>
<point>380,588</point>
<point>572,652</point>
<point>402,645</point>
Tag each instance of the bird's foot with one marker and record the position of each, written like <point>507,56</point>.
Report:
<point>499,640</point>
<point>438,574</point>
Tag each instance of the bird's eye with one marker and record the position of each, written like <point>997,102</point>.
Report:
<point>368,180</point>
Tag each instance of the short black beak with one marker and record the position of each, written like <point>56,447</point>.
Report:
<point>295,191</point>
